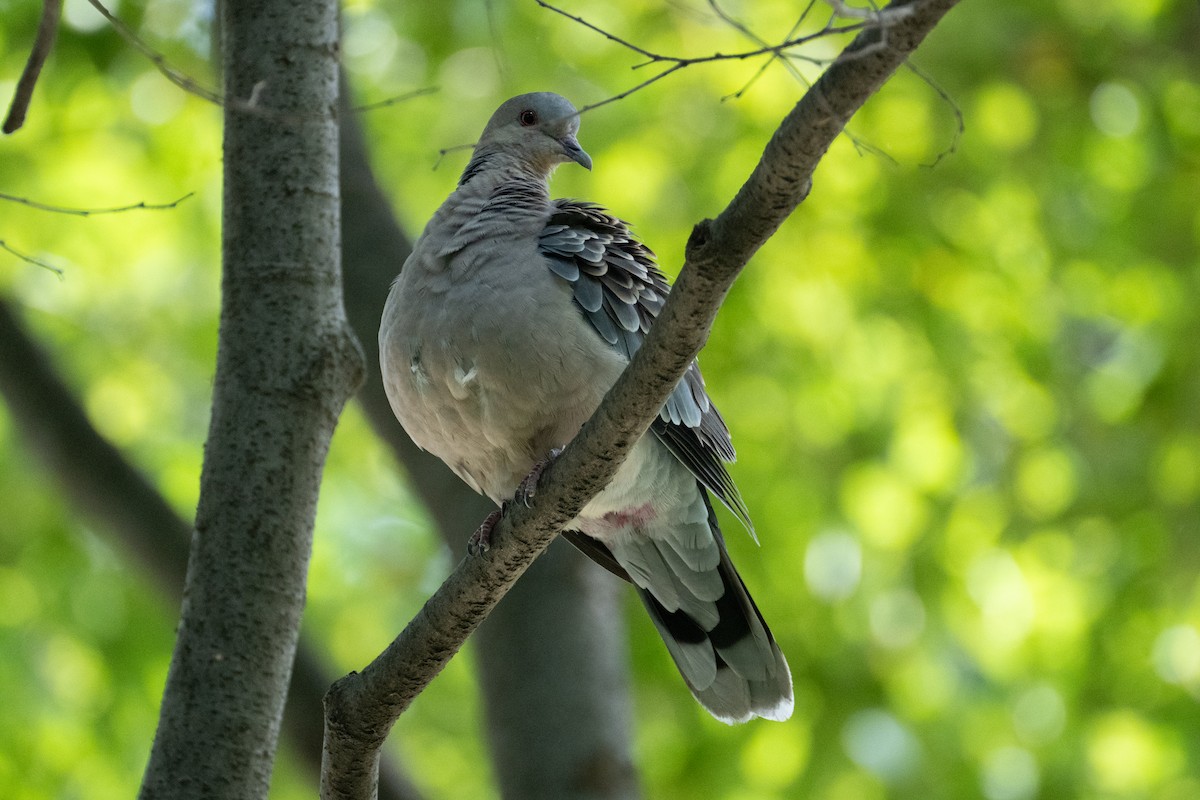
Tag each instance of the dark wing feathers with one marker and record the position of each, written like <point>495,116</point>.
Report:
<point>620,290</point>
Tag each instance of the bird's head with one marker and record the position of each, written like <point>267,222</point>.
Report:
<point>540,128</point>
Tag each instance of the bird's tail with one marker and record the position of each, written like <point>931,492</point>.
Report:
<point>697,600</point>
<point>734,669</point>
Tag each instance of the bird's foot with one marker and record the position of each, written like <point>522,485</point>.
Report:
<point>481,540</point>
<point>527,488</point>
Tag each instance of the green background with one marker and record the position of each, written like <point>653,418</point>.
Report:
<point>963,380</point>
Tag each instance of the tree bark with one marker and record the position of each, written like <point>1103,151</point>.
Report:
<point>556,643</point>
<point>286,364</point>
<point>361,708</point>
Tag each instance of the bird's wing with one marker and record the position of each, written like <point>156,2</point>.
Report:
<point>619,289</point>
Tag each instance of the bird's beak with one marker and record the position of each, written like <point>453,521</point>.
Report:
<point>573,151</point>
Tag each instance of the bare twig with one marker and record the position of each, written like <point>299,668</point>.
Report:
<point>673,64</point>
<point>959,123</point>
<point>78,212</point>
<point>391,101</point>
<point>655,58</point>
<point>42,42</point>
<point>252,104</point>
<point>752,36</point>
<point>175,76</point>
<point>91,212</point>
<point>445,151</point>
<point>628,45</point>
<point>28,259</point>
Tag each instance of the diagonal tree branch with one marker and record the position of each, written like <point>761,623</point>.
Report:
<point>42,43</point>
<point>361,708</point>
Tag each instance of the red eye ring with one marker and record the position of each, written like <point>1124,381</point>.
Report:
<point>527,118</point>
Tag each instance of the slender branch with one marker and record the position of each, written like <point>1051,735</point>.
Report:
<point>91,212</point>
<point>391,101</point>
<point>252,104</point>
<point>362,707</point>
<point>28,259</point>
<point>79,212</point>
<point>745,31</point>
<point>960,124</point>
<point>175,76</point>
<point>42,43</point>
<point>877,21</point>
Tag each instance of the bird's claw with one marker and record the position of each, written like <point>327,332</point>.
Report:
<point>527,488</point>
<point>481,540</point>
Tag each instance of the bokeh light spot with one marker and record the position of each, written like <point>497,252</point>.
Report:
<point>1046,482</point>
<point>1127,754</point>
<point>1039,715</point>
<point>1010,773</point>
<point>775,756</point>
<point>897,618</point>
<point>1006,116</point>
<point>883,506</point>
<point>1177,470</point>
<point>833,565</point>
<point>1177,655</point>
<point>1115,110</point>
<point>878,742</point>
<point>998,587</point>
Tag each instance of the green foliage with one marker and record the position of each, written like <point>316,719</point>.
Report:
<point>962,380</point>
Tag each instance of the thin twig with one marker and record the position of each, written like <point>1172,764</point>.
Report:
<point>628,45</point>
<point>391,101</point>
<point>28,259</point>
<point>42,42</point>
<point>175,76</point>
<point>250,105</point>
<point>91,212</point>
<point>786,59</point>
<point>651,57</point>
<point>677,63</point>
<point>960,124</point>
<point>631,90</point>
<point>752,36</point>
<point>445,151</point>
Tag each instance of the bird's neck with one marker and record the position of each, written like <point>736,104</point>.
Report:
<point>493,166</point>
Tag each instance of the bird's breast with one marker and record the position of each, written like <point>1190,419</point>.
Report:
<point>490,368</point>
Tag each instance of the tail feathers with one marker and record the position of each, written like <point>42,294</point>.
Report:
<point>734,669</point>
<point>711,626</point>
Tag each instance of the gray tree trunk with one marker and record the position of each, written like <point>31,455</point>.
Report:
<point>286,364</point>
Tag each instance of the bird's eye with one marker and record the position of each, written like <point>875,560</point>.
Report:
<point>528,117</point>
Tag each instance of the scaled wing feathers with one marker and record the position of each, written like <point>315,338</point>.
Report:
<point>620,290</point>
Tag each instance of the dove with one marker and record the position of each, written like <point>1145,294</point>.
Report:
<point>512,317</point>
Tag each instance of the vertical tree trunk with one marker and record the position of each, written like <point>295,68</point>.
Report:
<point>286,364</point>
